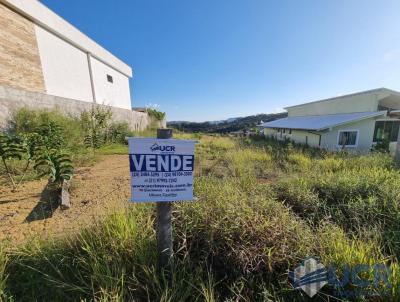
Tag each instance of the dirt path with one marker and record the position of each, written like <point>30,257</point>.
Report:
<point>95,191</point>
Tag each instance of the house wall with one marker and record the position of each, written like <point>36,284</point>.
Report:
<point>65,67</point>
<point>297,136</point>
<point>392,148</point>
<point>329,139</point>
<point>40,51</point>
<point>46,18</point>
<point>363,102</point>
<point>19,54</point>
<point>366,129</point>
<point>114,94</point>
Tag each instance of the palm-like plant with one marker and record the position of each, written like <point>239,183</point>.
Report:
<point>10,148</point>
<point>56,165</point>
<point>40,147</point>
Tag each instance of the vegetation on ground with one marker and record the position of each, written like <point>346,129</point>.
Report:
<point>42,143</point>
<point>263,206</point>
<point>156,114</point>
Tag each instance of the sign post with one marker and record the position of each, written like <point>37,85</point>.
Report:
<point>164,222</point>
<point>162,172</point>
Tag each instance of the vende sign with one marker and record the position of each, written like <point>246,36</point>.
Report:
<point>161,169</point>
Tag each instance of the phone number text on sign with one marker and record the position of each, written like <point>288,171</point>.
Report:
<point>161,169</point>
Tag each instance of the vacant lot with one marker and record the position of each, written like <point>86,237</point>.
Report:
<point>33,210</point>
<point>262,208</point>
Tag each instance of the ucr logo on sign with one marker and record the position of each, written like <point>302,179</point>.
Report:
<point>157,147</point>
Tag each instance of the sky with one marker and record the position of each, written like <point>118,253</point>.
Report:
<point>216,59</point>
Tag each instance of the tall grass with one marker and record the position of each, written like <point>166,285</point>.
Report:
<point>262,207</point>
<point>3,274</point>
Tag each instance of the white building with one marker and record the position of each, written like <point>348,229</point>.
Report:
<point>355,122</point>
<point>41,52</point>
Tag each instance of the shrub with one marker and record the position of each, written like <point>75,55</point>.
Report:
<point>95,124</point>
<point>154,113</point>
<point>118,132</point>
<point>383,146</point>
<point>50,135</point>
<point>25,121</point>
<point>38,136</point>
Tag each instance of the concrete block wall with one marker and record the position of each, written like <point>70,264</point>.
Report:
<point>11,99</point>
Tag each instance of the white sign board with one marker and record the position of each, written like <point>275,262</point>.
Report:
<point>161,169</point>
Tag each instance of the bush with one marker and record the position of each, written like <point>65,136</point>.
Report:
<point>157,115</point>
<point>118,132</point>
<point>383,146</point>
<point>95,124</point>
<point>68,129</point>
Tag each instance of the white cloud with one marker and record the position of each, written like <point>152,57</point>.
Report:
<point>391,56</point>
<point>153,106</point>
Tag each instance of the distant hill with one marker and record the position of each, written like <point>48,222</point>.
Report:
<point>226,126</point>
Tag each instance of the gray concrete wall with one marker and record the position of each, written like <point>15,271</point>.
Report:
<point>11,99</point>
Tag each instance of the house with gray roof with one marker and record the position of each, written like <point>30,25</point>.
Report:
<point>354,122</point>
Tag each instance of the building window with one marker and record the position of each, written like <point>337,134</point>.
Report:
<point>110,78</point>
<point>386,130</point>
<point>348,138</point>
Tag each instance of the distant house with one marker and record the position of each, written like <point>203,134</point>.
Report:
<point>354,122</point>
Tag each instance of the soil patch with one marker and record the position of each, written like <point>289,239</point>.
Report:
<point>95,192</point>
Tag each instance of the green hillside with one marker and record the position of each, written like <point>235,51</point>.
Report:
<point>243,123</point>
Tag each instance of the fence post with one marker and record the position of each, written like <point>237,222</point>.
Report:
<point>164,223</point>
